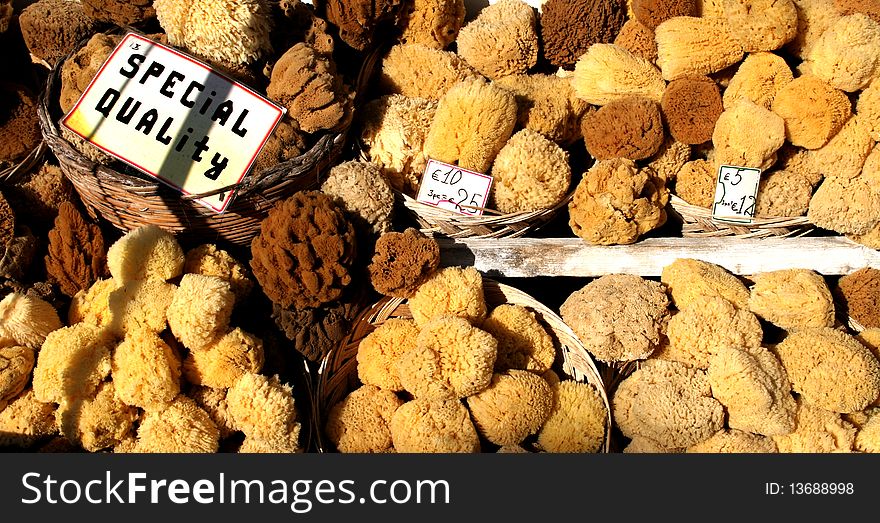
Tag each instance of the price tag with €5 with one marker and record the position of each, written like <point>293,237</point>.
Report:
<point>736,194</point>
<point>453,188</point>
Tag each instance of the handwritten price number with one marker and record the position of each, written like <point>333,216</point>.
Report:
<point>452,177</point>
<point>742,202</point>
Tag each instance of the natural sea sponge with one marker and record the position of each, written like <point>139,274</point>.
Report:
<point>264,408</point>
<point>119,12</point>
<point>734,442</point>
<point>652,13</point>
<point>434,23</point>
<point>747,135</point>
<point>606,72</point>
<point>77,256</point>
<point>287,142</point>
<point>210,260</point>
<point>138,305</point>
<point>792,299</point>
<point>783,193</point>
<point>696,182</point>
<point>830,369</point>
<point>530,173</point>
<point>695,46</point>
<point>220,364</point>
<point>418,71</point>
<point>305,250</point>
<point>642,445</point>
<point>868,437</point>
<point>225,30</point>
<point>706,326</point>
<point>814,17</point>
<point>670,158</point>
<point>689,280</point>
<point>145,253</point>
<point>798,160</point>
<point>306,83</point>
<point>17,255</point>
<point>213,401</point>
<point>378,353</point>
<point>514,406</point>
<point>359,423</point>
<point>182,427</point>
<point>845,154</point>
<point>618,317</point>
<point>79,69</point>
<point>523,343</point>
<point>52,28</point>
<point>638,39</point>
<point>758,79</point>
<point>817,430</point>
<point>26,320</point>
<point>691,107</point>
<point>577,422</point>
<point>316,331</point>
<point>761,25</point>
<point>402,262</point>
<point>626,128</point>
<point>362,191</point>
<point>71,363</point>
<point>362,23</point>
<point>669,403</point>
<point>26,421</point>
<point>617,202</point>
<point>473,121</point>
<point>501,40</point>
<point>18,123</point>
<point>847,55</point>
<point>424,426</point>
<point>16,364</point>
<point>200,310</point>
<point>146,371</point>
<point>93,305</point>
<point>547,104</point>
<point>813,111</point>
<point>452,359</point>
<point>393,130</point>
<point>868,109</point>
<point>453,291</point>
<point>753,386</point>
<point>41,191</point>
<point>570,27</point>
<point>98,422</point>
<point>848,206</point>
<point>858,294</point>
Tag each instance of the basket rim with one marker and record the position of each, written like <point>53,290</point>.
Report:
<point>576,362</point>
<point>25,165</point>
<point>685,208</point>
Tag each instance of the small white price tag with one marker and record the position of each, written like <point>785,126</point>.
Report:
<point>453,188</point>
<point>736,194</point>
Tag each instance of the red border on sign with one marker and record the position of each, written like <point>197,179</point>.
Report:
<point>281,111</point>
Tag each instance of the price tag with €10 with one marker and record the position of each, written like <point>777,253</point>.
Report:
<point>453,188</point>
<point>736,194</point>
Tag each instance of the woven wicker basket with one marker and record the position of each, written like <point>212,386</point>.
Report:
<point>492,224</point>
<point>130,199</point>
<point>337,375</point>
<point>697,222</point>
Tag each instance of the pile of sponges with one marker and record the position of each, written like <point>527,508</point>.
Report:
<point>146,360</point>
<point>459,377</point>
<point>723,367</point>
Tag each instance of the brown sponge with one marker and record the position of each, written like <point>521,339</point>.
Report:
<point>691,106</point>
<point>629,128</point>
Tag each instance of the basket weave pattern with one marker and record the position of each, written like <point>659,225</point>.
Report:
<point>337,375</point>
<point>697,222</point>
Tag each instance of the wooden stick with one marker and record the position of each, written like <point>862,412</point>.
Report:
<point>527,257</point>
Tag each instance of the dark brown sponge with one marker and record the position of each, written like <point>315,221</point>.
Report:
<point>570,27</point>
<point>654,12</point>
<point>119,12</point>
<point>858,295</point>
<point>402,262</point>
<point>51,28</point>
<point>691,106</point>
<point>19,124</point>
<point>629,128</point>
